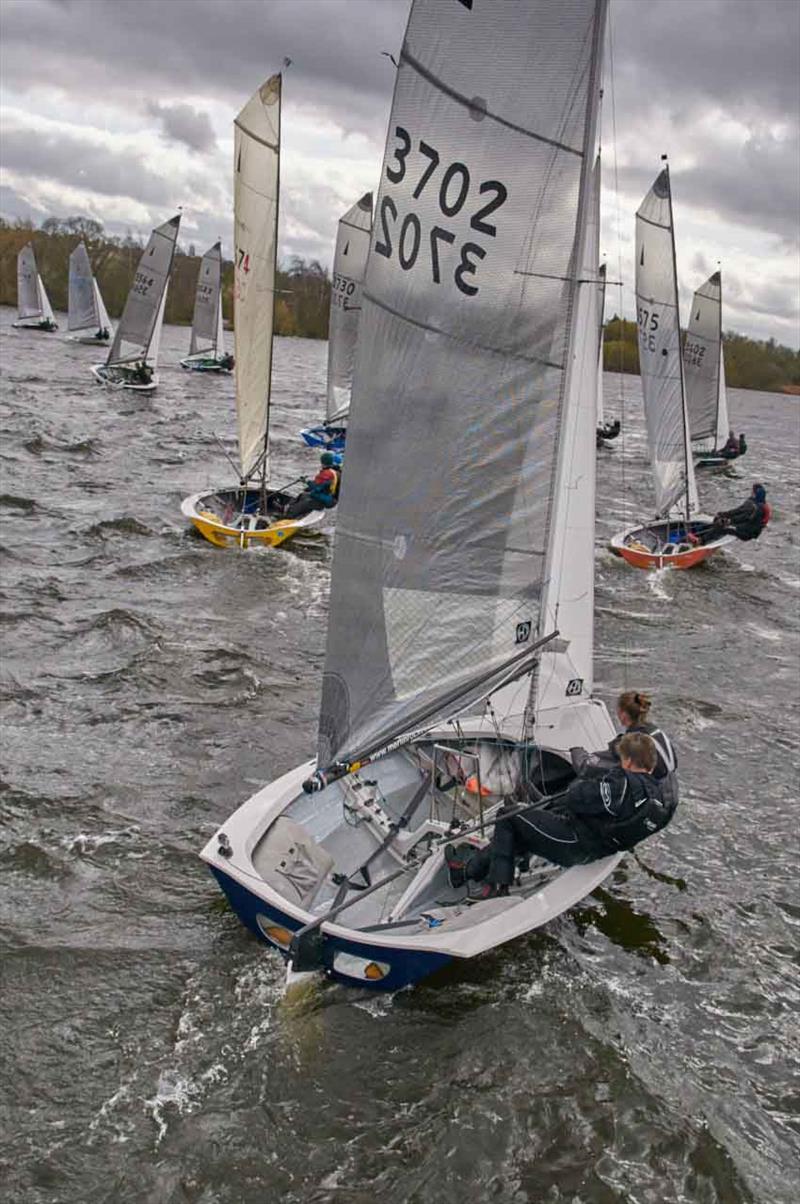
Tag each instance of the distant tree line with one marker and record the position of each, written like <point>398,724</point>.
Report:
<point>303,298</point>
<point>749,363</point>
<point>303,288</point>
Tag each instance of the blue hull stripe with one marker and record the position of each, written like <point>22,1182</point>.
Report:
<point>407,966</point>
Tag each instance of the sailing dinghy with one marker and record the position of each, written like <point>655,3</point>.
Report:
<point>466,537</point>
<point>669,540</point>
<point>33,305</point>
<point>207,345</point>
<point>88,320</point>
<point>349,265</point>
<point>133,356</point>
<point>250,512</point>
<point>606,430</point>
<point>704,371</point>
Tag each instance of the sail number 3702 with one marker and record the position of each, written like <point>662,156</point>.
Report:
<point>403,236</point>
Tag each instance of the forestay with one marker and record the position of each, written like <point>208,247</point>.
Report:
<point>703,367</point>
<point>207,297</point>
<point>601,409</point>
<point>349,264</point>
<point>140,325</point>
<point>29,302</point>
<point>82,311</point>
<point>660,360</point>
<point>444,523</point>
<point>256,179</point>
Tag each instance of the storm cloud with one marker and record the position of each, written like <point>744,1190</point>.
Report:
<point>182,123</point>
<point>143,96</point>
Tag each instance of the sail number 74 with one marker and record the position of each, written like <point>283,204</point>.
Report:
<point>403,236</point>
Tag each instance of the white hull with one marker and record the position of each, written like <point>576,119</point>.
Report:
<point>413,945</point>
<point>100,373</point>
<point>88,340</point>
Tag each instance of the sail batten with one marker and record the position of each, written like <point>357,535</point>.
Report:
<point>256,185</point>
<point>349,264</point>
<point>466,326</point>
<point>139,327</point>
<point>660,353</point>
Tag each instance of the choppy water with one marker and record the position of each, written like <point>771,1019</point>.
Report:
<point>641,1049</point>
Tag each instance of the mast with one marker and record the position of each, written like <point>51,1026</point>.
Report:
<point>686,435</point>
<point>265,454</point>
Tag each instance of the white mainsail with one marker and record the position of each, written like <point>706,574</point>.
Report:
<point>32,300</point>
<point>467,389</point>
<point>349,265</point>
<point>660,358</point>
<point>83,313</point>
<point>28,303</point>
<point>704,368</point>
<point>207,319</point>
<point>139,329</point>
<point>257,135</point>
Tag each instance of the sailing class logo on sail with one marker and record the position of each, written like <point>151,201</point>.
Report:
<point>448,186</point>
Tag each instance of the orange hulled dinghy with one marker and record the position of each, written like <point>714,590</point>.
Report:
<point>670,540</point>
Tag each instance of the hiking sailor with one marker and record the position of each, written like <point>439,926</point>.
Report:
<point>633,707</point>
<point>745,522</point>
<point>593,818</point>
<point>319,494</point>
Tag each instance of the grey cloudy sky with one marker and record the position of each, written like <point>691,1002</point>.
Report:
<point>121,110</point>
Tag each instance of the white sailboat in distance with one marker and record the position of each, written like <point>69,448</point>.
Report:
<point>33,305</point>
<point>704,372</point>
<point>669,540</point>
<point>353,237</point>
<point>250,512</point>
<point>459,661</point>
<point>207,345</point>
<point>132,361</point>
<point>87,320</point>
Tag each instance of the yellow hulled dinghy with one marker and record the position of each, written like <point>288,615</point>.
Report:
<point>249,512</point>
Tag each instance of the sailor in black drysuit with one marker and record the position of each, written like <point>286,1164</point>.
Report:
<point>593,818</point>
<point>632,709</point>
<point>745,522</point>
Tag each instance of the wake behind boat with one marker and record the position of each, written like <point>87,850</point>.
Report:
<point>349,265</point>
<point>250,512</point>
<point>132,361</point>
<point>669,540</point>
<point>459,661</point>
<point>207,345</point>
<point>88,320</point>
<point>33,305</point>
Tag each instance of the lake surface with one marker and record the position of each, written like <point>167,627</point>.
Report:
<point>643,1048</point>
